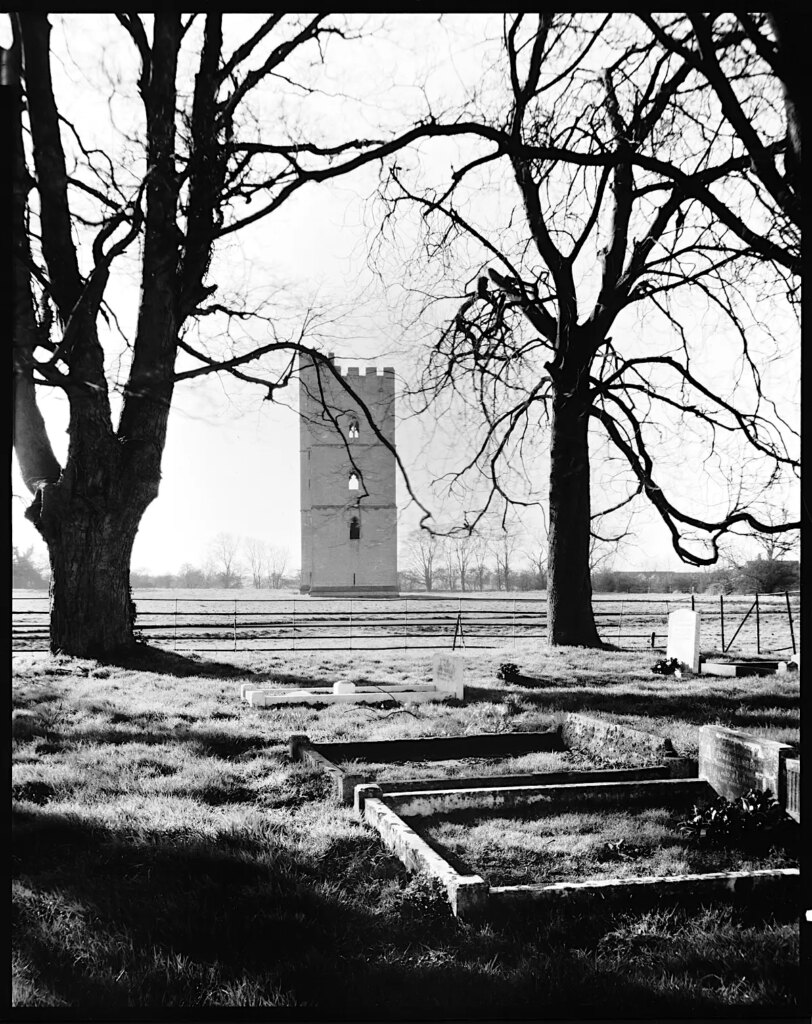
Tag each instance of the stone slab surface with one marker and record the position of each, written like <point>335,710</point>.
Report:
<point>734,762</point>
<point>263,699</point>
<point>737,668</point>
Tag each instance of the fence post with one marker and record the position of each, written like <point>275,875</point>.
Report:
<point>405,623</point>
<point>514,624</point>
<point>235,624</point>
<point>293,626</point>
<point>789,616</point>
<point>758,629</point>
<point>722,619</point>
<point>350,623</point>
<point>693,603</point>
<point>175,630</point>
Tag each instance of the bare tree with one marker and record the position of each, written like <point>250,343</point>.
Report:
<point>256,551</point>
<point>225,567</point>
<point>459,555</point>
<point>504,545</point>
<point>480,554</point>
<point>633,193</point>
<point>195,172</point>
<point>422,550</point>
<point>277,560</point>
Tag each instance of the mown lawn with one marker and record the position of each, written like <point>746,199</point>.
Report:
<point>167,853</point>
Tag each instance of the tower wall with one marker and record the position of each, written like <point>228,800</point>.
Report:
<point>332,562</point>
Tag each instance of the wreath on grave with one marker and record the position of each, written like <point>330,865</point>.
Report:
<point>665,666</point>
<point>509,672</point>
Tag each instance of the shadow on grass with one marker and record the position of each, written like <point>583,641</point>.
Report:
<point>143,657</point>
<point>697,709</point>
<point>109,918</point>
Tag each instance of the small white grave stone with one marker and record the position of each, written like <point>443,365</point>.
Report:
<point>449,674</point>
<point>683,638</point>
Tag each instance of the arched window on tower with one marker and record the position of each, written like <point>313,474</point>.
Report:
<point>355,529</point>
<point>353,429</point>
<point>353,481</point>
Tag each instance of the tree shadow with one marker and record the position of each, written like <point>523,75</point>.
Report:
<point>143,657</point>
<point>334,930</point>
<point>698,709</point>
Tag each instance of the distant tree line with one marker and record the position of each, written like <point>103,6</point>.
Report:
<point>444,564</point>
<point>476,563</point>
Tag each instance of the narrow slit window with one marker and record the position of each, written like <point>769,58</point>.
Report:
<point>353,482</point>
<point>353,429</point>
<point>355,529</point>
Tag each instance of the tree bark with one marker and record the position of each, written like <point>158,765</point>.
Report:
<point>569,594</point>
<point>92,612</point>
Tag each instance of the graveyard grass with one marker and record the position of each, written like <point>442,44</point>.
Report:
<point>167,852</point>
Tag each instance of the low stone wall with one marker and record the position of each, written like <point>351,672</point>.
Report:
<point>599,736</point>
<point>734,762</point>
<point>771,889</point>
<point>684,793</point>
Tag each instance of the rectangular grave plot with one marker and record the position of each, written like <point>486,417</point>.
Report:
<point>771,890</point>
<point>544,848</point>
<point>353,763</point>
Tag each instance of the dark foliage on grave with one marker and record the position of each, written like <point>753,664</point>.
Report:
<point>665,666</point>
<point>620,850</point>
<point>508,672</point>
<point>424,899</point>
<point>755,819</point>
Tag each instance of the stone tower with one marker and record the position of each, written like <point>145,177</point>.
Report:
<point>349,514</point>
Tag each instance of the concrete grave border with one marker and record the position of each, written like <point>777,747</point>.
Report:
<point>573,731</point>
<point>362,693</point>
<point>471,896</point>
<point>448,670</point>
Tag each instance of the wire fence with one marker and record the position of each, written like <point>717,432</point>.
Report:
<point>733,624</point>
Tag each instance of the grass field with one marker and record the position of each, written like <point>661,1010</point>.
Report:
<point>166,852</point>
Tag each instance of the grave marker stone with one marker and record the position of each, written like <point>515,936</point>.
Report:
<point>734,762</point>
<point>683,638</point>
<point>448,671</point>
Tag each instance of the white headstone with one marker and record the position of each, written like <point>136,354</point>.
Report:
<point>449,673</point>
<point>683,638</point>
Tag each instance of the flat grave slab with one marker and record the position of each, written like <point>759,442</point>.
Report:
<point>347,693</point>
<point>738,668</point>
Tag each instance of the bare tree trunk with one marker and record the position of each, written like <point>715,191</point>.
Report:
<point>569,593</point>
<point>92,612</point>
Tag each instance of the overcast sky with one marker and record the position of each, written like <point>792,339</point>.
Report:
<point>231,460</point>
